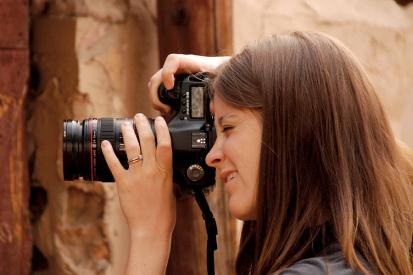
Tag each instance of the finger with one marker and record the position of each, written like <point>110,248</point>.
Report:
<point>112,160</point>
<point>131,141</point>
<point>146,138</point>
<point>164,144</point>
<point>170,67</point>
<point>182,63</point>
<point>153,86</point>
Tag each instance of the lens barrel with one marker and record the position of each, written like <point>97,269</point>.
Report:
<point>82,154</point>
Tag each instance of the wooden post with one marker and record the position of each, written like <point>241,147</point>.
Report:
<point>202,27</point>
<point>15,235</point>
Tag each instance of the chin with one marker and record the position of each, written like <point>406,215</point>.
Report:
<point>240,211</point>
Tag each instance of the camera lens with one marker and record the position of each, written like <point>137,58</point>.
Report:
<point>82,155</point>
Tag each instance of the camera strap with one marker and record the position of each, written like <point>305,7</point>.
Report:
<point>211,228</point>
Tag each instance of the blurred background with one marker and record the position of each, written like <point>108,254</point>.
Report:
<point>75,59</point>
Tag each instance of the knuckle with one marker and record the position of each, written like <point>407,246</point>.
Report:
<point>134,147</point>
<point>171,57</point>
<point>157,107</point>
<point>162,167</point>
<point>164,146</point>
<point>155,78</point>
<point>155,101</point>
<point>146,136</point>
<point>165,73</point>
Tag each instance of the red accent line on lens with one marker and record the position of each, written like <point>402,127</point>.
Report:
<point>91,158</point>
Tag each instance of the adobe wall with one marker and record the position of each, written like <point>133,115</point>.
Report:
<point>88,60</point>
<point>94,60</point>
<point>379,32</point>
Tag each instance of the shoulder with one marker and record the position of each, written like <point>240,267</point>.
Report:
<point>333,263</point>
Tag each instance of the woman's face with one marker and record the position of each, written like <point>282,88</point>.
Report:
<point>235,155</point>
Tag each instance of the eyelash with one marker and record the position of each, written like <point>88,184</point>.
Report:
<point>227,128</point>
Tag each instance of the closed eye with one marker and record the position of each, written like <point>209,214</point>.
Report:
<point>227,128</point>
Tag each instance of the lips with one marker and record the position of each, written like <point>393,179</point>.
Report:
<point>231,176</point>
<point>227,176</point>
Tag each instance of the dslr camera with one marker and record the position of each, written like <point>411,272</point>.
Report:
<point>191,128</point>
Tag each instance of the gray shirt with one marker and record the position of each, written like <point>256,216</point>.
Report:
<point>332,263</point>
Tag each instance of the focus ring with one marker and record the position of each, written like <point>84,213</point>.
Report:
<point>107,130</point>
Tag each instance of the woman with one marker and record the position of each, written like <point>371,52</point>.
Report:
<point>320,182</point>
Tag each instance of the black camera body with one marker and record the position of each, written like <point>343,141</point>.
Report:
<point>191,128</point>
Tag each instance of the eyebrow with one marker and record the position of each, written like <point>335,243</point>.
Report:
<point>226,117</point>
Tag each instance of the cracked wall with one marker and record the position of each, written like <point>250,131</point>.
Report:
<point>94,60</point>
<point>88,60</point>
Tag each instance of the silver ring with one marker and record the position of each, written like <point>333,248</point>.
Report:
<point>137,159</point>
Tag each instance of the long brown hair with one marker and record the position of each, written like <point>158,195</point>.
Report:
<point>330,167</point>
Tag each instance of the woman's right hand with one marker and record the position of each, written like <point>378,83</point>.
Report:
<point>180,63</point>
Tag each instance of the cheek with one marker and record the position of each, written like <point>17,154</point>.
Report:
<point>251,157</point>
<point>243,151</point>
<point>245,156</point>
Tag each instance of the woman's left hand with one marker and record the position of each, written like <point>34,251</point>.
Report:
<point>145,189</point>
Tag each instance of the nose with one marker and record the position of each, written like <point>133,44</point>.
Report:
<point>215,156</point>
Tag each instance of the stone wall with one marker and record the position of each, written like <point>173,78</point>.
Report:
<point>93,59</point>
<point>88,60</point>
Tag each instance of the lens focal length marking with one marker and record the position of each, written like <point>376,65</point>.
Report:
<point>91,158</point>
<point>93,147</point>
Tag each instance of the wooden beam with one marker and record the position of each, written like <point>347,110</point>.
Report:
<point>201,27</point>
<point>15,235</point>
<point>194,26</point>
<point>14,24</point>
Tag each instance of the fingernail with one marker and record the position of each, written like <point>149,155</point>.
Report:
<point>139,115</point>
<point>159,118</point>
<point>105,144</point>
<point>149,84</point>
<point>171,83</point>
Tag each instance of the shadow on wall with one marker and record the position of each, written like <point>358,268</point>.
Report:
<point>404,2</point>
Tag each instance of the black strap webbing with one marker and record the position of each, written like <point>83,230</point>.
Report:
<point>211,228</point>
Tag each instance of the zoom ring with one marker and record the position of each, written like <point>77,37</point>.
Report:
<point>107,130</point>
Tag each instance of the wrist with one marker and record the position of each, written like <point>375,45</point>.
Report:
<point>150,235</point>
<point>148,253</point>
<point>161,243</point>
